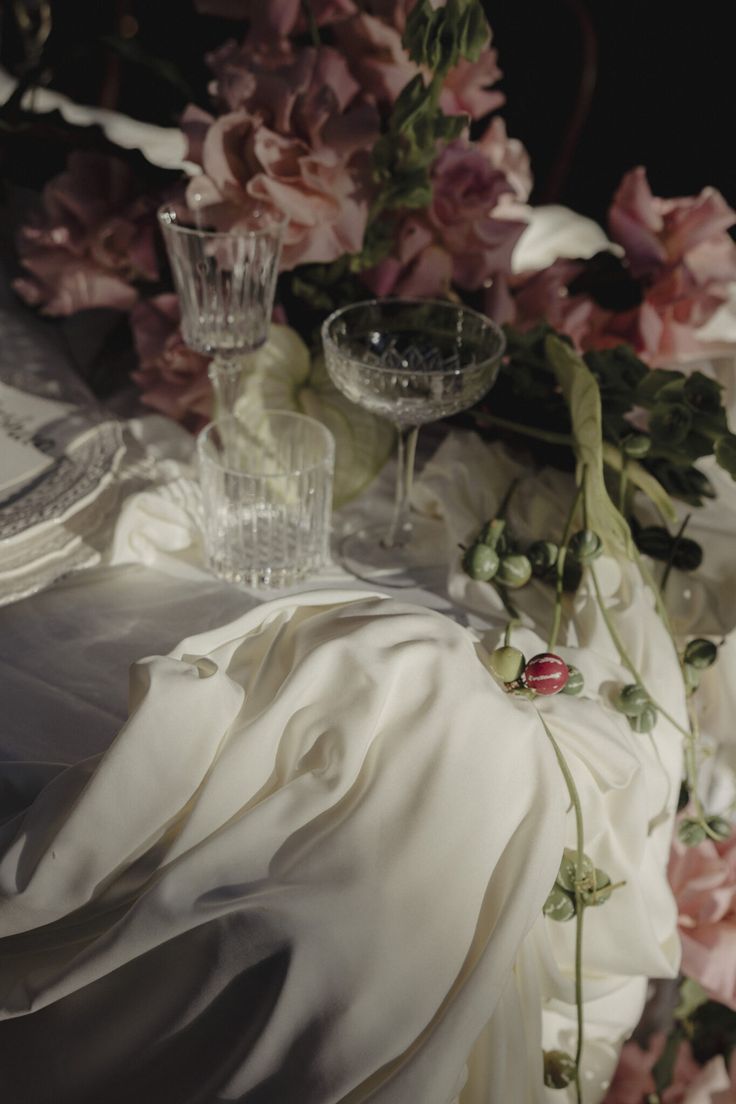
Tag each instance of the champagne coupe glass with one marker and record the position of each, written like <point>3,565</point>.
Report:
<point>412,361</point>
<point>225,281</point>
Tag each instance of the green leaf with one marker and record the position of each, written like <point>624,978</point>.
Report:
<point>651,384</point>
<point>641,479</point>
<point>725,451</point>
<point>582,396</point>
<point>284,378</point>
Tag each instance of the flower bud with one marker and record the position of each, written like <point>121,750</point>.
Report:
<point>507,663</point>
<point>560,905</point>
<point>575,682</point>
<point>691,832</point>
<point>700,653</point>
<point>633,700</point>
<point>559,1069</point>
<point>480,562</point>
<point>542,555</point>
<point>585,546</point>
<point>720,827</point>
<point>636,445</point>
<point>514,571</point>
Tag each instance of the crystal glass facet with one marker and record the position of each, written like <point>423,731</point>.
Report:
<point>225,281</point>
<point>411,361</point>
<point>266,497</point>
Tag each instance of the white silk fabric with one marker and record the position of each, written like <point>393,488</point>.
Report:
<point>302,872</point>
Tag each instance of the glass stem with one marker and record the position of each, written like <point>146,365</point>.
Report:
<point>227,377</point>
<point>400,527</point>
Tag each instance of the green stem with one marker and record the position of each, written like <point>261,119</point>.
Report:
<point>579,903</point>
<point>524,430</point>
<point>623,482</point>
<point>690,734</point>
<point>673,550</point>
<point>651,582</point>
<point>510,626</point>
<point>561,556</point>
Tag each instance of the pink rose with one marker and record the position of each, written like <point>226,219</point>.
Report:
<point>297,137</point>
<point>173,378</point>
<point>93,240</point>
<point>509,156</point>
<point>703,880</point>
<point>466,189</point>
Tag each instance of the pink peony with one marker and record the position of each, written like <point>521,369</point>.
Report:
<point>173,378</point>
<point>93,240</point>
<point>703,880</point>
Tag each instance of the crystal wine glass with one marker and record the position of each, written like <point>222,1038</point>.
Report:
<point>225,281</point>
<point>412,361</point>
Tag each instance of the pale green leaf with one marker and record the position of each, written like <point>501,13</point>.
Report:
<point>643,480</point>
<point>284,378</point>
<point>580,390</point>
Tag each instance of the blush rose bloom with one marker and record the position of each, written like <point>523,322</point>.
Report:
<point>172,377</point>
<point>703,880</point>
<point>684,260</point>
<point>294,139</point>
<point>460,238</point>
<point>93,240</point>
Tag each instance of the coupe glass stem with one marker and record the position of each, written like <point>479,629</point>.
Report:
<point>400,527</point>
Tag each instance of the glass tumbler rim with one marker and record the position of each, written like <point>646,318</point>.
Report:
<point>167,218</point>
<point>293,415</point>
<point>486,322</point>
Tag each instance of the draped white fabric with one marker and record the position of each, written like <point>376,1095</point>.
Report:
<point>309,857</point>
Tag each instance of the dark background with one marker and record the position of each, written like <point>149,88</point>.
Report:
<point>593,87</point>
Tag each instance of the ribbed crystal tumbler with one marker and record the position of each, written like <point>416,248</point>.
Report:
<point>266,497</point>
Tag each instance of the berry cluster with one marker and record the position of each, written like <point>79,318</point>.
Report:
<point>545,673</point>
<point>495,556</point>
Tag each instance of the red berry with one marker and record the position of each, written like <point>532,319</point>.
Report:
<point>546,673</point>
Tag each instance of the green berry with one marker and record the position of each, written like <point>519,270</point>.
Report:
<point>566,873</point>
<point>633,700</point>
<point>585,546</point>
<point>701,653</point>
<point>560,905</point>
<point>514,571</point>
<point>559,1069</point>
<point>507,663</point>
<point>644,721</point>
<point>542,555</point>
<point>691,832</point>
<point>636,445</point>
<point>719,827</point>
<point>575,682</point>
<point>599,892</point>
<point>492,532</point>
<point>480,562</point>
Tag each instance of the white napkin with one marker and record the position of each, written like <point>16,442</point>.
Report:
<point>302,871</point>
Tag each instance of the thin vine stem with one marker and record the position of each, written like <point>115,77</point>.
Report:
<point>673,550</point>
<point>559,582</point>
<point>579,903</point>
<point>546,435</point>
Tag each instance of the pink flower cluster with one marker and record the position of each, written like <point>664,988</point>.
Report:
<point>703,880</point>
<point>172,377</point>
<point>295,126</point>
<point>680,254</point>
<point>92,242</point>
<point>633,1082</point>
